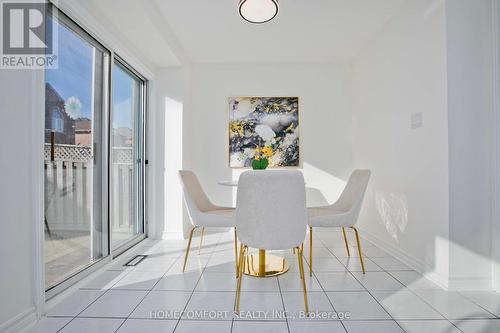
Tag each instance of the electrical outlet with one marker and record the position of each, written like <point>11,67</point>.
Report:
<point>417,120</point>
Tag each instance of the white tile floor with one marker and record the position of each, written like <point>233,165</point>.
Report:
<point>151,297</point>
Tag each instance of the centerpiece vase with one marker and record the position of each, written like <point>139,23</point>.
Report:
<point>260,164</point>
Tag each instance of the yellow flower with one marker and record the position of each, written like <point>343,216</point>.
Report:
<point>236,127</point>
<point>257,154</point>
<point>267,151</point>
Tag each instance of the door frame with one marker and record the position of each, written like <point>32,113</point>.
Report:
<point>494,139</point>
<point>142,117</point>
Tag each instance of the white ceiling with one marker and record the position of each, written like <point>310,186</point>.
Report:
<point>211,30</point>
<point>303,31</point>
<point>138,24</point>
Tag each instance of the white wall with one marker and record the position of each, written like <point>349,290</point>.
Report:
<point>430,200</point>
<point>166,131</point>
<point>495,147</point>
<point>18,190</point>
<point>325,121</point>
<point>402,72</point>
<point>469,66</point>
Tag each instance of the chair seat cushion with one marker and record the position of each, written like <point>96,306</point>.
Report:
<point>217,218</point>
<point>222,212</point>
<point>328,217</point>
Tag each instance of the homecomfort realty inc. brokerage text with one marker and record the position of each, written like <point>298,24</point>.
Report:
<point>248,315</point>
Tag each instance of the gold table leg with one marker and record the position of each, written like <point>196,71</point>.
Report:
<point>265,265</point>
<point>262,262</point>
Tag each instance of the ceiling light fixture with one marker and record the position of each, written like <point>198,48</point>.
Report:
<point>258,11</point>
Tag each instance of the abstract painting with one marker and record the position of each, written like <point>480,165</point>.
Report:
<point>264,122</point>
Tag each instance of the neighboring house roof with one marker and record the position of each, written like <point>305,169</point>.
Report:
<point>122,137</point>
<point>123,132</point>
<point>52,95</point>
<point>57,120</point>
<point>83,132</point>
<point>83,125</point>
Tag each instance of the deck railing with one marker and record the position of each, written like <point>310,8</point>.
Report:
<point>69,184</point>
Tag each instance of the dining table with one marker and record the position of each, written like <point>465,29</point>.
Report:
<point>262,264</point>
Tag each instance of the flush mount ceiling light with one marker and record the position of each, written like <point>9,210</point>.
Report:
<point>258,11</point>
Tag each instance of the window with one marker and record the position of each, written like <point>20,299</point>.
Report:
<point>57,122</point>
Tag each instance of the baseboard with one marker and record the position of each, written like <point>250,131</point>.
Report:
<point>172,235</point>
<point>417,265</point>
<point>477,284</point>
<point>179,235</point>
<point>21,322</point>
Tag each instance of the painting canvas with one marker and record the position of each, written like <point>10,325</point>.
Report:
<point>264,122</point>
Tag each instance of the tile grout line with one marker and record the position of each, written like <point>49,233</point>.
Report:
<point>283,304</point>
<point>329,300</point>
<point>147,293</point>
<point>479,305</point>
<point>411,291</point>
<point>111,288</point>
<point>323,289</point>
<point>389,272</point>
<point>380,304</point>
<point>423,300</point>
<point>368,291</point>
<point>105,292</point>
<point>426,302</point>
<point>212,253</point>
<point>194,288</point>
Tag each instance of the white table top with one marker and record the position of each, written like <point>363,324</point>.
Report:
<point>233,183</point>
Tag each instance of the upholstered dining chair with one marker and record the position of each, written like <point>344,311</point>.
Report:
<point>203,213</point>
<point>271,214</point>
<point>341,214</point>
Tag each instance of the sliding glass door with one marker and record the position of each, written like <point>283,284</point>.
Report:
<point>126,176</point>
<point>94,171</point>
<point>76,229</point>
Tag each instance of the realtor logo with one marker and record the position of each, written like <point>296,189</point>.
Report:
<point>27,38</point>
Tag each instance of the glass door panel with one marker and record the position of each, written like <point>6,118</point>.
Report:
<point>126,188</point>
<point>76,233</point>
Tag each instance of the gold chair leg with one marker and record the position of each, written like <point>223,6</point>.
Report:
<point>240,268</point>
<point>345,242</point>
<point>299,263</point>
<point>359,249</point>
<point>188,247</point>
<point>241,265</point>
<point>302,276</point>
<point>201,239</point>
<point>236,251</point>
<point>249,263</point>
<point>310,251</point>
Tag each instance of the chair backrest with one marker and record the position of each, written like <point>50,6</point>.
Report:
<point>195,198</point>
<point>352,197</point>
<point>271,209</point>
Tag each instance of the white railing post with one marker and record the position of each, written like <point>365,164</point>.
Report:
<point>69,187</point>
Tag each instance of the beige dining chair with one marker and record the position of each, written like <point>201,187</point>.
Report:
<point>271,214</point>
<point>203,213</point>
<point>342,214</point>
